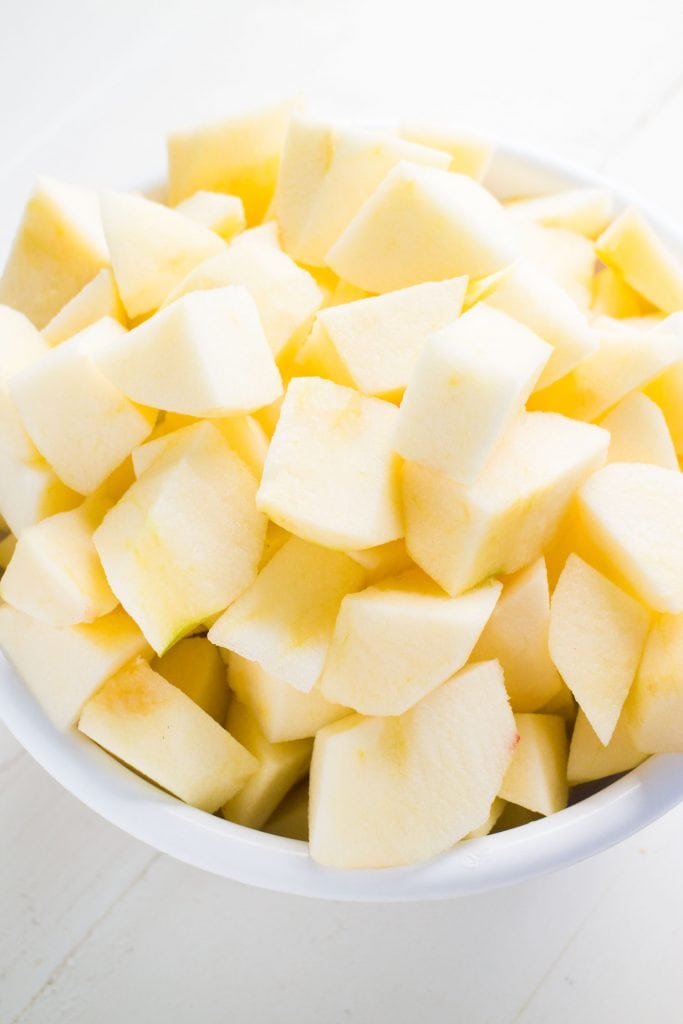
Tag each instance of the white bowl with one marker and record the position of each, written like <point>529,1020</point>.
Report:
<point>283,865</point>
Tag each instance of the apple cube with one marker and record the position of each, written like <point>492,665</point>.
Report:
<point>66,390</point>
<point>564,256</point>
<point>373,344</point>
<point>613,297</point>
<point>239,155</point>
<point>185,540</point>
<point>327,172</point>
<point>589,759</point>
<point>331,475</point>
<point>667,389</point>
<point>55,574</point>
<point>222,213</point>
<point>152,248</point>
<point>64,667</point>
<point>517,635</point>
<point>59,246</point>
<point>390,791</point>
<point>290,818</point>
<point>461,535</point>
<point>470,154</point>
<point>597,634</point>
<point>632,514</point>
<point>154,727</point>
<point>471,381</point>
<point>654,709</point>
<point>196,667</point>
<point>631,246</point>
<point>397,641</point>
<point>290,638</point>
<point>97,299</point>
<point>205,355</point>
<point>585,211</point>
<point>537,775</point>
<point>538,302</point>
<point>639,433</point>
<point>282,711</point>
<point>423,224</point>
<point>280,766</point>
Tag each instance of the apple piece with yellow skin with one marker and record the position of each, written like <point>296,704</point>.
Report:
<point>537,776</point>
<point>589,759</point>
<point>654,709</point>
<point>97,299</point>
<point>224,214</point>
<point>196,667</point>
<point>632,247</point>
<point>639,433</point>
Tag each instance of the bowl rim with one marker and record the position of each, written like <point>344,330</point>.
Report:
<point>283,865</point>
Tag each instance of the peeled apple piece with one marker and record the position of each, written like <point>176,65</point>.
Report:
<point>589,759</point>
<point>97,299</point>
<point>654,709</point>
<point>223,214</point>
<point>586,211</point>
<point>391,791</point>
<point>632,247</point>
<point>639,433</point>
<point>195,666</point>
<point>537,776</point>
<point>470,154</point>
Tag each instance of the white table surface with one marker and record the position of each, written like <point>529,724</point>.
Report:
<point>95,927</point>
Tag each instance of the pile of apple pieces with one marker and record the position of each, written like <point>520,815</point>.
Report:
<point>402,456</point>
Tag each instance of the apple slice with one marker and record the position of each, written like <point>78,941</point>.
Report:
<point>423,224</point>
<point>331,475</point>
<point>55,574</point>
<point>470,382</point>
<point>97,299</point>
<point>152,248</point>
<point>64,667</point>
<point>151,725</point>
<point>289,638</point>
<point>631,246</point>
<point>517,634</point>
<point>631,514</point>
<point>205,355</point>
<point>59,246</point>
<point>391,791</point>
<point>654,709</point>
<point>639,433</point>
<point>597,634</point>
<point>461,535</point>
<point>397,641</point>
<point>185,539</point>
<point>470,154</point>
<point>537,775</point>
<point>282,711</point>
<point>586,211</point>
<point>196,667</point>
<point>589,759</point>
<point>63,391</point>
<point>280,766</point>
<point>222,213</point>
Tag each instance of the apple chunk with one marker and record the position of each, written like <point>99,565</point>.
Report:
<point>395,642</point>
<point>222,213</point>
<point>97,299</point>
<point>589,759</point>
<point>196,667</point>
<point>631,246</point>
<point>537,775</point>
<point>654,709</point>
<point>587,211</point>
<point>639,433</point>
<point>390,791</point>
<point>151,725</point>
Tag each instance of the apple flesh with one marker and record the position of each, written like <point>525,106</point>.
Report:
<point>589,759</point>
<point>97,299</point>
<point>585,211</point>
<point>196,667</point>
<point>537,776</point>
<point>632,247</point>
<point>654,710</point>
<point>222,213</point>
<point>639,433</point>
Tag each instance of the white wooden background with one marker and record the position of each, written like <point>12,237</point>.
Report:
<point>95,927</point>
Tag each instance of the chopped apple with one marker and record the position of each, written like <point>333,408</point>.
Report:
<point>286,295</point>
<point>97,299</point>
<point>185,539</point>
<point>613,297</point>
<point>64,667</point>
<point>654,709</point>
<point>398,640</point>
<point>497,808</point>
<point>59,246</point>
<point>151,725</point>
<point>55,574</point>
<point>8,546</point>
<point>390,791</point>
<point>152,248</point>
<point>385,560</point>
<point>470,382</point>
<point>423,224</point>
<point>537,775</point>
<point>65,390</point>
<point>280,766</point>
<point>631,246</point>
<point>589,759</point>
<point>639,433</point>
<point>517,634</point>
<point>282,711</point>
<point>327,172</point>
<point>222,213</point>
<point>373,344</point>
<point>240,155</point>
<point>568,258</point>
<point>597,634</point>
<point>470,154</point>
<point>244,434</point>
<point>462,535</point>
<point>536,300</point>
<point>667,389</point>
<point>30,491</point>
<point>586,211</point>
<point>331,475</point>
<point>632,513</point>
<point>195,667</point>
<point>290,818</point>
<point>290,638</point>
<point>204,355</point>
